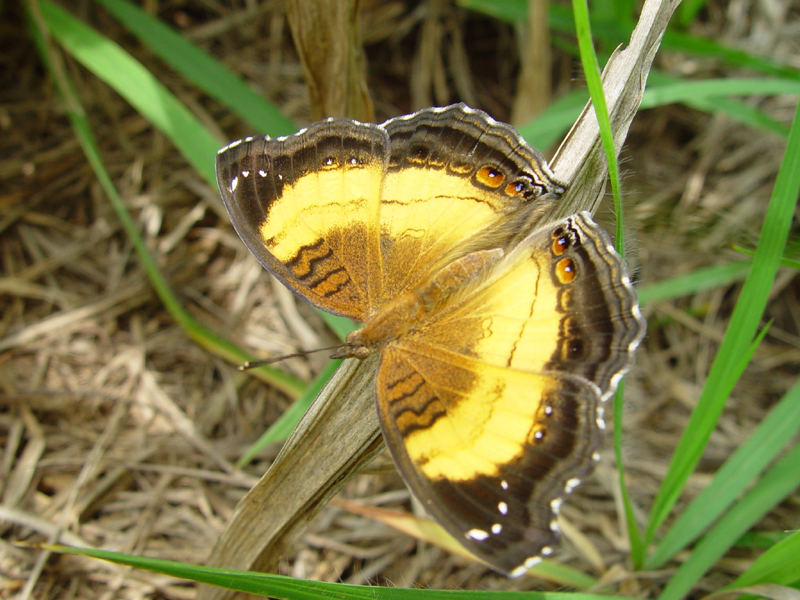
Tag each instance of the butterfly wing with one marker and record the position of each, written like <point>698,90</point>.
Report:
<point>350,214</point>
<point>307,206</point>
<point>457,181</point>
<point>492,407</point>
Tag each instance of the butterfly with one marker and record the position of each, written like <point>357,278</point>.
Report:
<point>500,335</point>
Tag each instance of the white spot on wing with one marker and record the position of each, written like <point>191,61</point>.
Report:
<point>503,508</point>
<point>477,534</point>
<point>526,565</point>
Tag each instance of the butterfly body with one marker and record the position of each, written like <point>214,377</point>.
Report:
<point>499,337</point>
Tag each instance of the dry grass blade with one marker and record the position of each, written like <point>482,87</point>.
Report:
<point>338,435</point>
<point>328,40</point>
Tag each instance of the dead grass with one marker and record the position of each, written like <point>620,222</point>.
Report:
<point>118,432</point>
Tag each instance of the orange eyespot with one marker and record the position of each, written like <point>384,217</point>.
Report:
<point>514,188</point>
<point>560,245</point>
<point>565,271</point>
<point>490,177</point>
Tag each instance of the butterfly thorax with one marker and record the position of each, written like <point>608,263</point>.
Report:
<point>410,311</point>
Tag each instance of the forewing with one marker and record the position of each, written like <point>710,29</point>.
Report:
<point>457,181</point>
<point>307,205</point>
<point>349,215</point>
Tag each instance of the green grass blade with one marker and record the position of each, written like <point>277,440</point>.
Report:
<point>675,90</point>
<point>591,70</point>
<point>739,471</point>
<point>779,565</point>
<point>137,85</point>
<point>635,537</point>
<point>688,10</point>
<point>713,96</point>
<point>282,587</point>
<point>785,261</point>
<point>612,33</point>
<point>196,66</point>
<point>71,31</point>
<point>683,42</point>
<point>696,281</point>
<point>749,308</point>
<point>780,481</point>
<point>549,127</point>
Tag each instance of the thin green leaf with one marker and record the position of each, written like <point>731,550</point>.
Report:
<point>635,537</point>
<point>279,586</point>
<point>727,364</point>
<point>780,565</point>
<point>137,85</point>
<point>785,262</point>
<point>696,281</point>
<point>776,430</point>
<point>70,31</point>
<point>591,70</point>
<point>675,90</point>
<point>613,33</point>
<point>780,481</point>
<point>688,11</point>
<point>198,67</point>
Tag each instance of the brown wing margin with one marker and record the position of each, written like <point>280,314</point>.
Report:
<point>600,322</point>
<point>323,249</point>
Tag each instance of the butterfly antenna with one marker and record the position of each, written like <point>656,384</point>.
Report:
<point>251,364</point>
